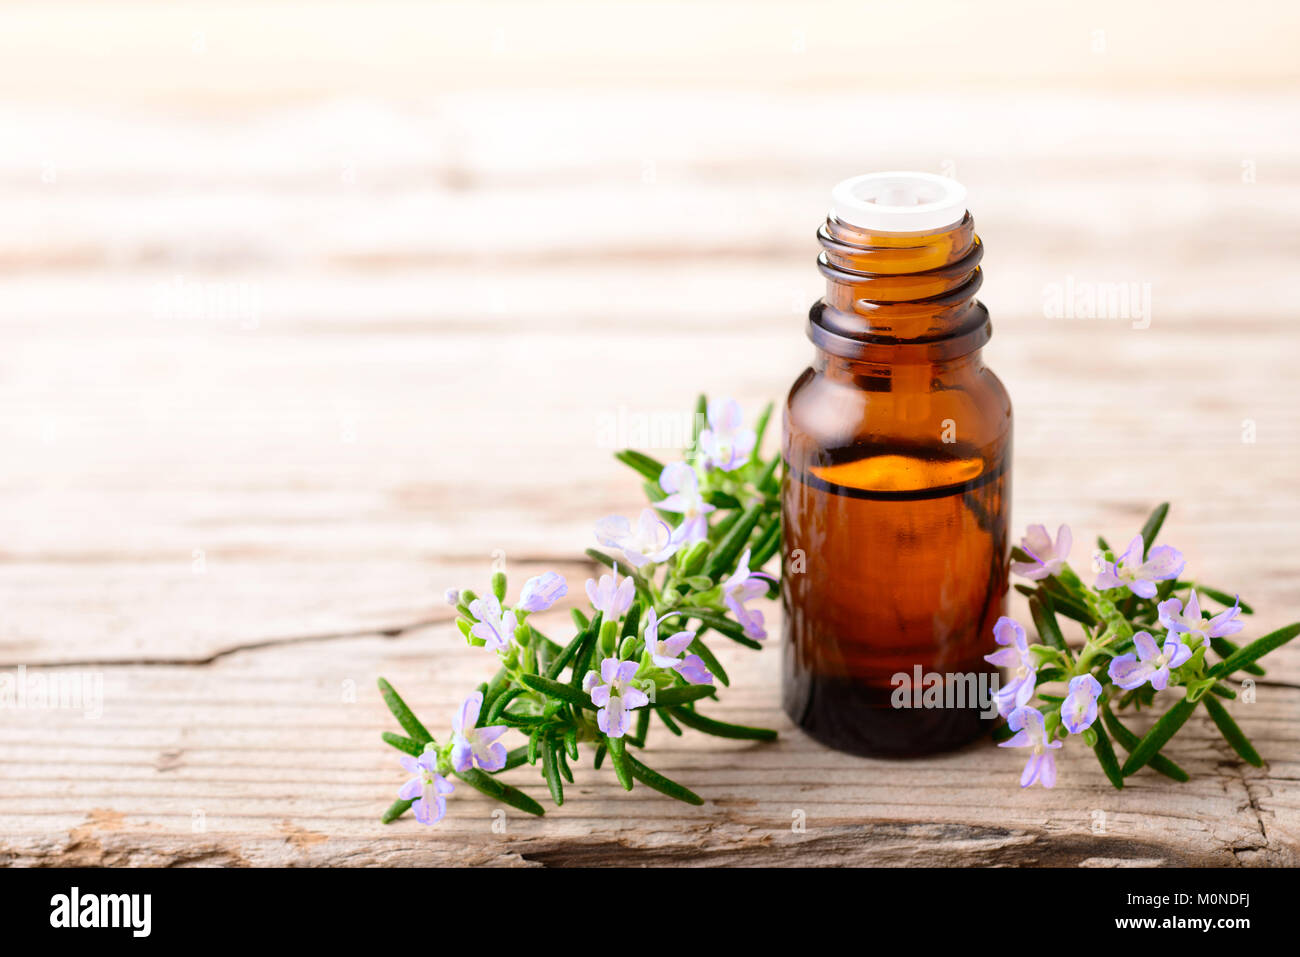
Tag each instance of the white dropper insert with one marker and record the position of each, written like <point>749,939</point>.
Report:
<point>899,202</point>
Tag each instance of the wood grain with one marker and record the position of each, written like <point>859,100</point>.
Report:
<point>287,353</point>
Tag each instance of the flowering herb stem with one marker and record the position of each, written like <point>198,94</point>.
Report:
<point>695,555</point>
<point>719,729</point>
<point>1121,663</point>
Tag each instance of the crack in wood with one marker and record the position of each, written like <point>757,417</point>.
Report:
<point>391,632</point>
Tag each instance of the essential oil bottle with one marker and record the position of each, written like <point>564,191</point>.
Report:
<point>896,493</point>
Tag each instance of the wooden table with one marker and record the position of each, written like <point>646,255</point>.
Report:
<point>283,360</point>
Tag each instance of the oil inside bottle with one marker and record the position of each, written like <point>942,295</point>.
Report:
<point>903,552</point>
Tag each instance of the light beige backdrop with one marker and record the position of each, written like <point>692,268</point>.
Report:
<point>308,309</point>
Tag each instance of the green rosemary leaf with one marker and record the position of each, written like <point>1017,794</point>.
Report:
<point>760,427</point>
<point>767,546</point>
<point>405,717</point>
<point>642,727</point>
<point>534,742</point>
<point>552,773</point>
<point>1256,649</point>
<point>669,723</point>
<point>499,705</point>
<point>1159,735</point>
<point>413,748</point>
<point>1226,649</point>
<point>681,694</point>
<point>692,560</point>
<point>650,468</point>
<point>1026,590</point>
<point>655,494</point>
<point>723,560</point>
<point>724,524</point>
<point>571,741</point>
<point>579,619</point>
<point>767,481</point>
<point>395,810</point>
<point>1222,690</point>
<point>1129,741</point>
<point>719,499</point>
<point>710,661</point>
<point>1106,755</point>
<point>618,758</point>
<point>501,791</point>
<point>557,689</point>
<point>698,582</point>
<point>1045,621</point>
<point>550,646</point>
<point>515,758</point>
<point>499,683</point>
<point>582,660</point>
<point>721,729</point>
<point>723,626</point>
<point>631,621</point>
<point>1152,527</point>
<point>653,779</point>
<point>1222,597</point>
<point>1063,602</point>
<point>1103,544</point>
<point>563,762</point>
<point>1232,733</point>
<point>522,721</point>
<point>563,659</point>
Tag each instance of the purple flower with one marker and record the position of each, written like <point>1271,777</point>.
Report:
<point>1188,621</point>
<point>494,626</point>
<point>1030,733</point>
<point>664,652</point>
<point>743,586</point>
<point>1048,558</point>
<point>611,596</point>
<point>428,787</point>
<point>1150,663</point>
<point>1163,563</point>
<point>683,486</point>
<point>452,596</point>
<point>1079,709</point>
<point>471,745</point>
<point>693,669</point>
<point>1019,661</point>
<point>542,591</point>
<point>725,443</point>
<point>614,696</point>
<point>650,541</point>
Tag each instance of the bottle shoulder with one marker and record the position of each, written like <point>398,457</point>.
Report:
<point>906,405</point>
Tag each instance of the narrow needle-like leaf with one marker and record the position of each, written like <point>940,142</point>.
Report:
<point>405,717</point>
<point>1232,733</point>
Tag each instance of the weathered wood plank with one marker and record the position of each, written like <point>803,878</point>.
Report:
<point>264,758</point>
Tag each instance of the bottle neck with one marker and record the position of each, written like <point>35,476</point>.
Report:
<point>896,298</point>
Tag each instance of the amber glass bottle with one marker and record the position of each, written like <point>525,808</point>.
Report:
<point>896,494</point>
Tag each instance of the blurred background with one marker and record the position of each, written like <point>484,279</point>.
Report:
<point>309,309</point>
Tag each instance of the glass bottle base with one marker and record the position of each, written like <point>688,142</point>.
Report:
<point>860,719</point>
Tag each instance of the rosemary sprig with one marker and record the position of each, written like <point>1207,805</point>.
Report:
<point>643,650</point>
